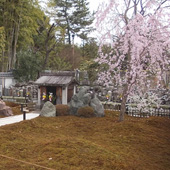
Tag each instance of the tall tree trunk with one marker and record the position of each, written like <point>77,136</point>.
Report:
<point>123,103</point>
<point>2,69</point>
<point>14,45</point>
<point>10,39</point>
<point>48,48</point>
<point>126,89</point>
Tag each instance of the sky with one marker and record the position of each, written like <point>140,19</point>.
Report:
<point>93,4</point>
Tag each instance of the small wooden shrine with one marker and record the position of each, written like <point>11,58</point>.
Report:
<point>57,87</point>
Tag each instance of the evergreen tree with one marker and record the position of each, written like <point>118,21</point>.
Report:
<point>28,67</point>
<point>81,19</point>
<point>74,17</point>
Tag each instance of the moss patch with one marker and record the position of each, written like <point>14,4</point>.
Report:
<point>75,143</point>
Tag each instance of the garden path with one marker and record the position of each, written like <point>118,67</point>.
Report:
<point>17,118</point>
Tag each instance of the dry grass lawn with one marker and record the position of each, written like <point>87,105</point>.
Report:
<point>74,143</point>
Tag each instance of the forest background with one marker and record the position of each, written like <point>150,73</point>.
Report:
<point>33,40</point>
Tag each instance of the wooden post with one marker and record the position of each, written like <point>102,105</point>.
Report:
<point>21,107</point>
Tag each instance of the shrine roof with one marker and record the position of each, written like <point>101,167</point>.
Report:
<point>55,80</point>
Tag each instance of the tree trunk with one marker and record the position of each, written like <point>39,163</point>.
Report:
<point>123,103</point>
<point>46,59</point>
<point>69,36</point>
<point>3,60</point>
<point>48,49</point>
<point>14,45</point>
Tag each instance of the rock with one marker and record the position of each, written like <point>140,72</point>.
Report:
<point>48,110</point>
<point>2,105</point>
<point>9,111</point>
<point>75,104</point>
<point>86,99</point>
<point>82,92</point>
<point>5,110</point>
<point>83,99</point>
<point>97,106</point>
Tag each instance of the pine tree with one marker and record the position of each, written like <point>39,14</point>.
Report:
<point>74,17</point>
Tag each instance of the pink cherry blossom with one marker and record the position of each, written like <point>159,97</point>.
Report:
<point>140,51</point>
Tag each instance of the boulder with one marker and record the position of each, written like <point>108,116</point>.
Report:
<point>75,104</point>
<point>97,106</point>
<point>48,110</point>
<point>2,105</point>
<point>84,98</point>
<point>5,110</point>
<point>81,99</point>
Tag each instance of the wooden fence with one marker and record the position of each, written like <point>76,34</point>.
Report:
<point>132,110</point>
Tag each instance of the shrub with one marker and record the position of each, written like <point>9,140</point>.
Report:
<point>62,110</point>
<point>86,111</point>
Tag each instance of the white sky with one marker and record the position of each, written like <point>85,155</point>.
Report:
<point>93,4</point>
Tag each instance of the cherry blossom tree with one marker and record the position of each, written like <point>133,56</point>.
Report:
<point>138,33</point>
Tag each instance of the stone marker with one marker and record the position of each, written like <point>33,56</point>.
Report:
<point>48,110</point>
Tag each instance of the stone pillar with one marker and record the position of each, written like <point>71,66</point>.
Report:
<point>39,97</point>
<point>74,91</point>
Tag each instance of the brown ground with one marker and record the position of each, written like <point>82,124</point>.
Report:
<point>74,143</point>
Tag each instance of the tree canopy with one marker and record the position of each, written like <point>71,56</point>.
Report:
<point>138,34</point>
<point>19,20</point>
<point>29,33</point>
<point>74,17</point>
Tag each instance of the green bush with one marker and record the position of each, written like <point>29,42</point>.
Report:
<point>86,111</point>
<point>62,110</point>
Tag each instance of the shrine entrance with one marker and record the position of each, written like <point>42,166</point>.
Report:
<point>52,89</point>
